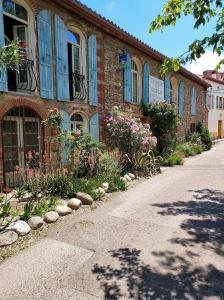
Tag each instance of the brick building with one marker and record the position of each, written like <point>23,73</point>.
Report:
<point>72,63</point>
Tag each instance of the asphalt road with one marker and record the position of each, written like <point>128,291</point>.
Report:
<point>162,239</point>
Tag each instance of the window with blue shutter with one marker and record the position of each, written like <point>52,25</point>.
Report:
<point>94,126</point>
<point>146,84</point>
<point>92,61</point>
<point>193,101</point>
<point>61,44</point>
<point>45,54</point>
<point>127,80</point>
<point>181,99</point>
<point>3,70</point>
<point>167,92</point>
<point>65,145</point>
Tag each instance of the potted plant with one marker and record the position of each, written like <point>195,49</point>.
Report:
<point>53,121</point>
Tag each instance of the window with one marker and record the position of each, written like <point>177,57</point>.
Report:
<point>16,27</point>
<point>220,102</point>
<point>134,82</point>
<point>213,102</point>
<point>217,102</point>
<point>76,67</point>
<point>193,101</point>
<point>14,9</point>
<point>79,122</point>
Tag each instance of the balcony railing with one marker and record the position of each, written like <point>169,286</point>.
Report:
<point>25,76</point>
<point>79,87</point>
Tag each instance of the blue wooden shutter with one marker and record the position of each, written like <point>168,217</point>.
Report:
<point>181,99</point>
<point>92,61</point>
<point>146,84</point>
<point>94,126</point>
<point>3,70</point>
<point>167,92</point>
<point>45,54</point>
<point>193,101</point>
<point>65,126</point>
<point>61,59</point>
<point>127,80</point>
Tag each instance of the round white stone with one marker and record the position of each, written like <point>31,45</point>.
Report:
<point>63,210</point>
<point>74,203</point>
<point>20,227</point>
<point>7,238</point>
<point>35,222</point>
<point>51,217</point>
<point>85,198</point>
<point>127,178</point>
<point>105,186</point>
<point>132,176</point>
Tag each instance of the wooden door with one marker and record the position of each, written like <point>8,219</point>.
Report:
<point>219,129</point>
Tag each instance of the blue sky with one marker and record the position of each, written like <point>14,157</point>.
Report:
<point>135,15</point>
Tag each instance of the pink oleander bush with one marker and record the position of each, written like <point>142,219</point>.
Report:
<point>128,134</point>
<point>133,139</point>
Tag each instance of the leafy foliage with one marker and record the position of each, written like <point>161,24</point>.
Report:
<point>54,118</point>
<point>10,55</point>
<point>204,135</point>
<point>164,120</point>
<point>204,12</point>
<point>174,159</point>
<point>145,164</point>
<point>6,213</point>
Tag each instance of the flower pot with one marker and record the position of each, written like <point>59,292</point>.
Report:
<point>54,131</point>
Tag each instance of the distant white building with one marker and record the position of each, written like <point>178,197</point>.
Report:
<point>215,102</point>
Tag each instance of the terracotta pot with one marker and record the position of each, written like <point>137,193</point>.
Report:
<point>54,131</point>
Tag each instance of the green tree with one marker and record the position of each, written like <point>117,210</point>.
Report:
<point>203,12</point>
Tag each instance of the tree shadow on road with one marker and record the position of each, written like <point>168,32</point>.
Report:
<point>133,279</point>
<point>207,228</point>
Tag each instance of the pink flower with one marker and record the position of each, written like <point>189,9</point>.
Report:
<point>78,133</point>
<point>55,109</point>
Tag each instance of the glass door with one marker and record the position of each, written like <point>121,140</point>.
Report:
<point>20,34</point>
<point>21,149</point>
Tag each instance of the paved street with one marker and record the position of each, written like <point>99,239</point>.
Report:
<point>163,239</point>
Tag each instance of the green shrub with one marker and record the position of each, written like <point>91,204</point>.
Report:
<point>116,184</point>
<point>27,211</point>
<point>51,184</point>
<point>164,126</point>
<point>204,135</point>
<point>193,138</point>
<point>88,186</point>
<point>174,159</point>
<point>45,205</point>
<point>198,148</point>
<point>187,149</point>
<point>109,166</point>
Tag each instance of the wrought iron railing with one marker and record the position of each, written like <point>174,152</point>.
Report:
<point>79,87</point>
<point>25,76</point>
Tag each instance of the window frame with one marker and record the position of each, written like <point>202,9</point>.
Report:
<point>84,123</point>
<point>30,36</point>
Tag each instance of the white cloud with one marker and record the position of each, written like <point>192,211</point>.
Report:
<point>110,5</point>
<point>207,61</point>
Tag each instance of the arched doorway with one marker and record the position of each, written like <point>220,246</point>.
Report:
<point>22,145</point>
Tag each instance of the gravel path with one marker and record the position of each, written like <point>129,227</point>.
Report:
<point>162,239</point>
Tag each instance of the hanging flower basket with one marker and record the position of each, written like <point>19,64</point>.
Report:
<point>54,119</point>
